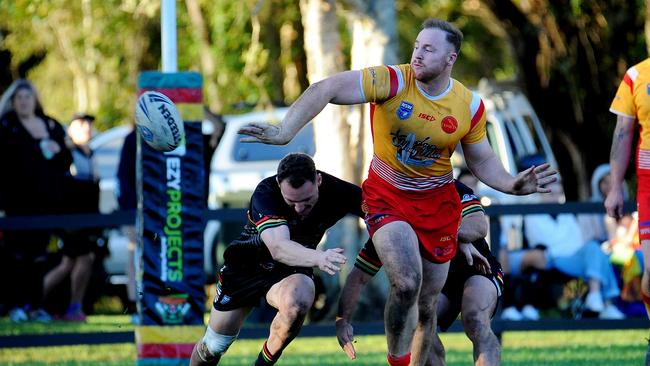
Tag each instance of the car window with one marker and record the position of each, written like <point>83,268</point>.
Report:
<point>531,127</point>
<point>303,142</point>
<point>107,157</point>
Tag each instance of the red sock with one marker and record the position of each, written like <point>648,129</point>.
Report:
<point>399,361</point>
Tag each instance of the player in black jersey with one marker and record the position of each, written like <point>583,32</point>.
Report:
<point>275,255</point>
<point>473,287</point>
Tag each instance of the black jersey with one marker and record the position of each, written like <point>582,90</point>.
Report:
<point>267,209</point>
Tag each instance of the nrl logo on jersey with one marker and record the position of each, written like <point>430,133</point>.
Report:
<point>405,110</point>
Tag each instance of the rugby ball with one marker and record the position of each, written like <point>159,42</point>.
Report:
<point>158,121</point>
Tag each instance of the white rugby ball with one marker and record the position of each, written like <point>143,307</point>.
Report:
<point>158,121</point>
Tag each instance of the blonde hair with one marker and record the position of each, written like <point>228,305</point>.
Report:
<point>7,99</point>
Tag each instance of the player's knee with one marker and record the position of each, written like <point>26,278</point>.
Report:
<point>214,345</point>
<point>407,288</point>
<point>298,308</point>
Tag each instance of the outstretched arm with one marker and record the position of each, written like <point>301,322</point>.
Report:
<point>348,301</point>
<point>485,165</point>
<point>287,251</point>
<point>619,158</point>
<point>342,88</point>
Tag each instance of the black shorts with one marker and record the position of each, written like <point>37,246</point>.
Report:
<point>78,243</point>
<point>245,286</point>
<point>459,273</point>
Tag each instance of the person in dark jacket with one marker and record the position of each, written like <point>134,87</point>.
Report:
<point>34,156</point>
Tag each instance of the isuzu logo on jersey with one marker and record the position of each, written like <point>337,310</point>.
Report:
<point>405,110</point>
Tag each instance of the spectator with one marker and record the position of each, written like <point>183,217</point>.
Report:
<point>35,160</point>
<point>565,250</point>
<point>82,193</point>
<point>599,227</point>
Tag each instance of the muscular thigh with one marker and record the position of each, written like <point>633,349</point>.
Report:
<point>295,289</point>
<point>479,296</point>
<point>434,276</point>
<point>397,247</point>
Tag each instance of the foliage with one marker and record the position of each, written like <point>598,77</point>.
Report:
<point>569,56</point>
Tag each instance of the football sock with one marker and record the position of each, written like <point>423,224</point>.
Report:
<point>265,357</point>
<point>399,361</point>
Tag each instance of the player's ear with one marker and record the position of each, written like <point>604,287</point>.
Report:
<point>319,179</point>
<point>451,58</point>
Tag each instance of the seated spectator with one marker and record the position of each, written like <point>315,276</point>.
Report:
<point>34,156</point>
<point>565,250</point>
<point>82,197</point>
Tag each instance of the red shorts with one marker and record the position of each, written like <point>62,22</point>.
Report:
<point>643,206</point>
<point>434,214</point>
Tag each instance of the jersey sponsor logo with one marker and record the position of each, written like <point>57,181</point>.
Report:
<point>468,197</point>
<point>446,238</point>
<point>224,300</point>
<point>449,124</point>
<point>442,251</point>
<point>405,110</point>
<point>648,88</point>
<point>375,219</point>
<point>426,117</point>
<point>411,151</point>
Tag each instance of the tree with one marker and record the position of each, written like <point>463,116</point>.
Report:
<point>571,57</point>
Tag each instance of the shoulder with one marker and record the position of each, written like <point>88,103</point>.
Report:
<point>337,185</point>
<point>463,93</point>
<point>267,186</point>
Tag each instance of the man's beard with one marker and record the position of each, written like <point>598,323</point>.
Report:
<point>426,75</point>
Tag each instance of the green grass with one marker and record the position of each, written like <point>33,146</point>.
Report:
<point>568,348</point>
<point>94,323</point>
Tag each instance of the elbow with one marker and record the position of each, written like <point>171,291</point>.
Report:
<point>321,89</point>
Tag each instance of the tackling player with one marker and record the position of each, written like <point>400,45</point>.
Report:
<point>275,255</point>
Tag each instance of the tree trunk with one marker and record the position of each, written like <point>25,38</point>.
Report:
<point>324,58</point>
<point>374,42</point>
<point>208,61</point>
<point>90,61</point>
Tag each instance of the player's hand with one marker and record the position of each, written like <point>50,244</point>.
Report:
<point>471,253</point>
<point>614,203</point>
<point>330,259</point>
<point>265,133</point>
<point>345,336</point>
<point>534,179</point>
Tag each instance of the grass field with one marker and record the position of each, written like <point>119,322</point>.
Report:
<point>568,348</point>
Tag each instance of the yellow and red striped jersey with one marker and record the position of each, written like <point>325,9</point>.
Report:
<point>633,100</point>
<point>414,134</point>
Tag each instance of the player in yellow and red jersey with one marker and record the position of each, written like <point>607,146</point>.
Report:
<point>419,115</point>
<point>631,106</point>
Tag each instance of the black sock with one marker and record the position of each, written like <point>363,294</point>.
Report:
<point>265,358</point>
